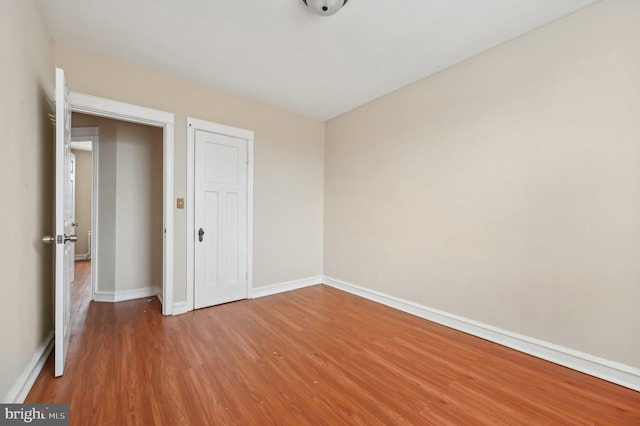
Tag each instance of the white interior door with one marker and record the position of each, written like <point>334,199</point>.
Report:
<point>221,219</point>
<point>64,229</point>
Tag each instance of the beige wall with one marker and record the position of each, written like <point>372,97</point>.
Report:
<point>505,189</point>
<point>26,173</point>
<point>289,161</point>
<point>83,200</point>
<point>139,207</point>
<point>129,203</point>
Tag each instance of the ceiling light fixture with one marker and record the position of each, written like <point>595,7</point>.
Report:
<point>325,7</point>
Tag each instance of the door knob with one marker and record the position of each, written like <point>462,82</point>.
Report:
<point>75,224</point>
<point>67,238</point>
<point>200,235</point>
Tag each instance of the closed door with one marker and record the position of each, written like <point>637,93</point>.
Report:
<point>220,219</point>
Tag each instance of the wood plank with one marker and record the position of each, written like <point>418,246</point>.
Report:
<point>310,356</point>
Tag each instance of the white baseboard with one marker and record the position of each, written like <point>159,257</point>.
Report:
<point>20,389</point>
<point>180,308</point>
<point>123,295</point>
<point>611,371</point>
<point>286,286</point>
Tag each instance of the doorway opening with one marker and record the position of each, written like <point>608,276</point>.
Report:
<point>84,142</point>
<point>155,219</point>
<point>126,201</point>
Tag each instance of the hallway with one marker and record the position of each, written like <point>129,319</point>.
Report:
<point>80,295</point>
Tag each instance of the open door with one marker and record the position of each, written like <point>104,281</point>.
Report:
<point>64,237</point>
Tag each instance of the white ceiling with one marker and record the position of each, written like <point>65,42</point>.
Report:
<point>277,52</point>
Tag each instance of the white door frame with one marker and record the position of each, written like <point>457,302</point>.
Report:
<point>194,124</point>
<point>92,105</point>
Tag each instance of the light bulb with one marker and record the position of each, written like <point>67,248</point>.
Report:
<point>325,7</point>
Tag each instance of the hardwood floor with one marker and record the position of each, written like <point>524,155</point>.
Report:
<point>314,356</point>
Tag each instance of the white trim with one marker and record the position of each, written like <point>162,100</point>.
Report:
<point>194,124</point>
<point>95,214</point>
<point>103,107</point>
<point>124,295</point>
<point>283,287</point>
<point>109,108</point>
<point>611,371</point>
<point>181,308</point>
<point>250,216</point>
<point>20,389</point>
<point>222,129</point>
<point>168,252</point>
<point>190,212</point>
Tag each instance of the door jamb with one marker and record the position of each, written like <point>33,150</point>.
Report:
<point>93,105</point>
<point>194,124</point>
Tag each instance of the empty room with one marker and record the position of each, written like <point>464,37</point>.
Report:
<point>342,212</point>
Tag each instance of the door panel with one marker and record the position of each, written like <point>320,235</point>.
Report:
<point>209,246</point>
<point>221,213</point>
<point>221,163</point>
<point>231,237</point>
<point>64,235</point>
